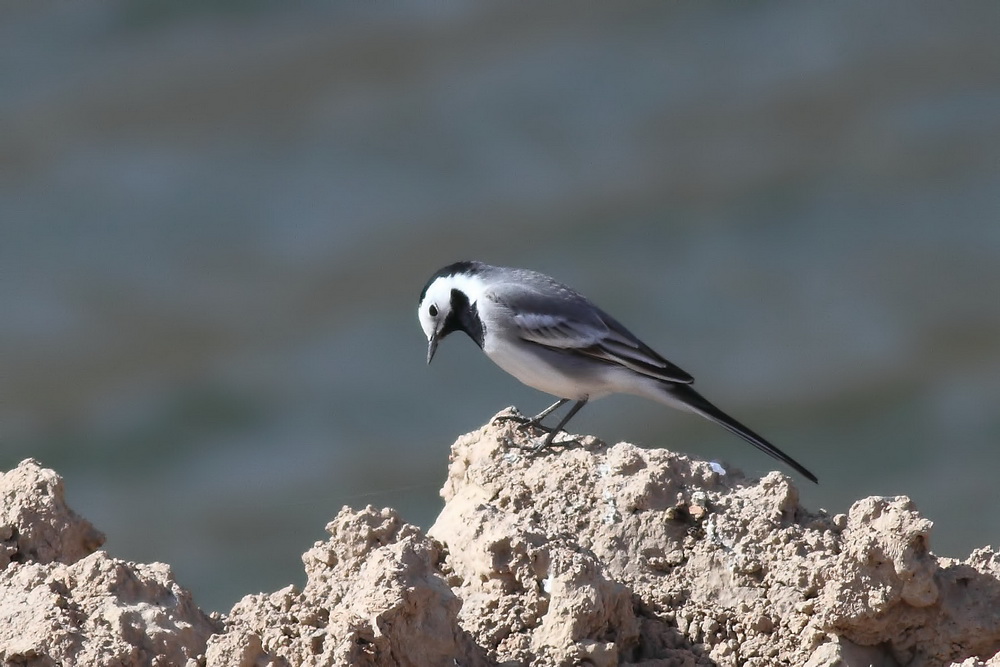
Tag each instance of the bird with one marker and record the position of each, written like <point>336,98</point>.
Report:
<point>554,339</point>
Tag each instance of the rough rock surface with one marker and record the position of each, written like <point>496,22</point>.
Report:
<point>615,554</point>
<point>63,603</point>
<point>375,595</point>
<point>582,554</point>
<point>36,525</point>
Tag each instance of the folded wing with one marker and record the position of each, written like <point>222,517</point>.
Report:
<point>584,329</point>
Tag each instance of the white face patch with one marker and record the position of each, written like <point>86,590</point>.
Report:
<point>430,309</point>
<point>438,296</point>
<point>472,286</point>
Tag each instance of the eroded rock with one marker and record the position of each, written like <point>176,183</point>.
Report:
<point>63,603</point>
<point>581,554</point>
<point>670,560</point>
<point>375,595</point>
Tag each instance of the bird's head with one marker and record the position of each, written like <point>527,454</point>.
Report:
<point>448,303</point>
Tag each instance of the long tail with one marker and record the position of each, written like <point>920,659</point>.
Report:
<point>682,395</point>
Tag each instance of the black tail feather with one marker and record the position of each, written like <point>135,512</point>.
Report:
<point>697,403</point>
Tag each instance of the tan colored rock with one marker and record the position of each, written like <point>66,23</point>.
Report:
<point>61,606</point>
<point>645,555</point>
<point>36,525</point>
<point>375,595</point>
<point>98,611</point>
<point>581,554</point>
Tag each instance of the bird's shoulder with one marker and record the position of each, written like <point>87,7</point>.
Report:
<point>551,314</point>
<point>538,309</point>
<point>541,298</point>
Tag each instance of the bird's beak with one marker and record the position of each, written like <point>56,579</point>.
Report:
<point>432,346</point>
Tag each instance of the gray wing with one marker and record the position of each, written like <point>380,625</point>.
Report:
<point>562,319</point>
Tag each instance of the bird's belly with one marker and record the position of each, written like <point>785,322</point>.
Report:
<point>554,372</point>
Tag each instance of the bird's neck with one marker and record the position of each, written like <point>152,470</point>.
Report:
<point>464,316</point>
<point>471,286</point>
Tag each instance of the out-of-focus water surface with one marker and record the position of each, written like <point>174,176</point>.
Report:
<point>215,219</point>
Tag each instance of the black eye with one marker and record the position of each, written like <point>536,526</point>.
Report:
<point>433,310</point>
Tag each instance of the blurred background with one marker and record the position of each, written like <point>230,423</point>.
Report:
<point>216,218</point>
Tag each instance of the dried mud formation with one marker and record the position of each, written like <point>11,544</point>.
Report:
<point>585,554</point>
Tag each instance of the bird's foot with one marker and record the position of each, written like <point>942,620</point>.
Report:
<point>527,447</point>
<point>536,423</point>
<point>533,446</point>
<point>548,443</point>
<point>523,422</point>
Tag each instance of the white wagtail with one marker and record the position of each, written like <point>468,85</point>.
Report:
<point>554,339</point>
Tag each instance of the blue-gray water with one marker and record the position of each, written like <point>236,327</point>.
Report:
<point>215,219</point>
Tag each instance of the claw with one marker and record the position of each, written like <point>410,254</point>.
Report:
<point>523,422</point>
<point>536,422</point>
<point>511,418</point>
<point>545,443</point>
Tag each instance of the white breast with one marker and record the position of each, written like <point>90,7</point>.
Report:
<point>557,373</point>
<point>534,371</point>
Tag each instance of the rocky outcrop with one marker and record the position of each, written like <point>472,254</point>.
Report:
<point>62,602</point>
<point>582,554</point>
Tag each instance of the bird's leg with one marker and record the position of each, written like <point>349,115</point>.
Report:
<point>559,427</point>
<point>535,421</point>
